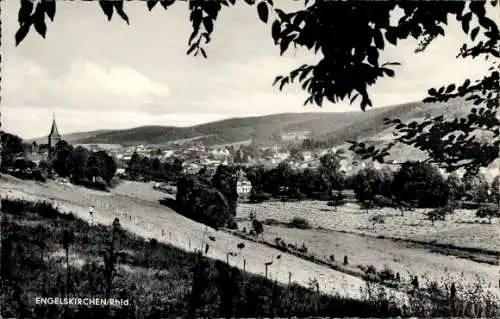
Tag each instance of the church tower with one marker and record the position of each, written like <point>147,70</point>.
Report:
<point>54,136</point>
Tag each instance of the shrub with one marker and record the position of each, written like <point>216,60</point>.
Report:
<point>39,176</point>
<point>377,219</point>
<point>488,212</point>
<point>420,182</point>
<point>437,214</point>
<point>258,197</point>
<point>100,183</point>
<point>257,227</point>
<point>115,181</point>
<point>382,201</point>
<point>303,248</point>
<point>299,222</point>
<point>386,274</point>
<point>336,200</point>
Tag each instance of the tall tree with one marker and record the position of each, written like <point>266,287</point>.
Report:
<point>12,147</point>
<point>421,183</point>
<point>330,171</point>
<point>455,187</point>
<point>225,180</point>
<point>367,184</point>
<point>134,166</point>
<point>495,191</point>
<point>62,162</point>
<point>80,159</point>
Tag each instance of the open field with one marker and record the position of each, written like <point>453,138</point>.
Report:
<point>461,229</point>
<point>401,257</point>
<point>146,217</point>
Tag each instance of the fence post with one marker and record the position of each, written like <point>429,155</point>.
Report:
<point>170,235</point>
<point>289,277</point>
<point>244,264</point>
<point>189,243</point>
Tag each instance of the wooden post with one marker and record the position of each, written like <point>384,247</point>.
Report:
<point>289,277</point>
<point>227,258</point>
<point>266,270</point>
<point>189,243</point>
<point>162,232</point>
<point>244,264</point>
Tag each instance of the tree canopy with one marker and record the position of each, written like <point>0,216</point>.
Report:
<point>349,36</point>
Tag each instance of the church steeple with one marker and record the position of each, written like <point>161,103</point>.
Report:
<point>54,136</point>
<point>54,131</point>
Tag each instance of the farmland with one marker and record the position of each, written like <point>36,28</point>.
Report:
<point>462,229</point>
<point>407,244</point>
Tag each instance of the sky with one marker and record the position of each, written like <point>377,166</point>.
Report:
<point>94,74</point>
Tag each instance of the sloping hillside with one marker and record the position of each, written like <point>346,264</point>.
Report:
<point>337,127</point>
<point>72,137</point>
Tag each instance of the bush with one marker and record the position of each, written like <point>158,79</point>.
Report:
<point>100,183</point>
<point>387,274</point>
<point>115,181</point>
<point>39,176</point>
<point>437,214</point>
<point>299,222</point>
<point>336,200</point>
<point>377,219</point>
<point>258,197</point>
<point>257,227</point>
<point>422,183</point>
<point>488,212</point>
<point>382,201</point>
<point>303,248</point>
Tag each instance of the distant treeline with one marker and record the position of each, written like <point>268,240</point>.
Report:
<point>81,166</point>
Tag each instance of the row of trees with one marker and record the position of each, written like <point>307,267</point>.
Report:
<point>83,166</point>
<point>286,181</point>
<point>146,169</point>
<point>418,184</point>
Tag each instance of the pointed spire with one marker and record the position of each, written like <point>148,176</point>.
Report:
<point>54,131</point>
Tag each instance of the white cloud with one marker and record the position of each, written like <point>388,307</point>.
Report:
<point>85,85</point>
<point>83,77</point>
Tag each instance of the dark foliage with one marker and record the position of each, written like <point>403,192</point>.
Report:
<point>299,222</point>
<point>141,168</point>
<point>11,148</point>
<point>421,183</point>
<point>202,202</point>
<point>367,183</point>
<point>488,212</point>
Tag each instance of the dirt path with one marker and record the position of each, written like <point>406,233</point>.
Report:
<point>149,218</point>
